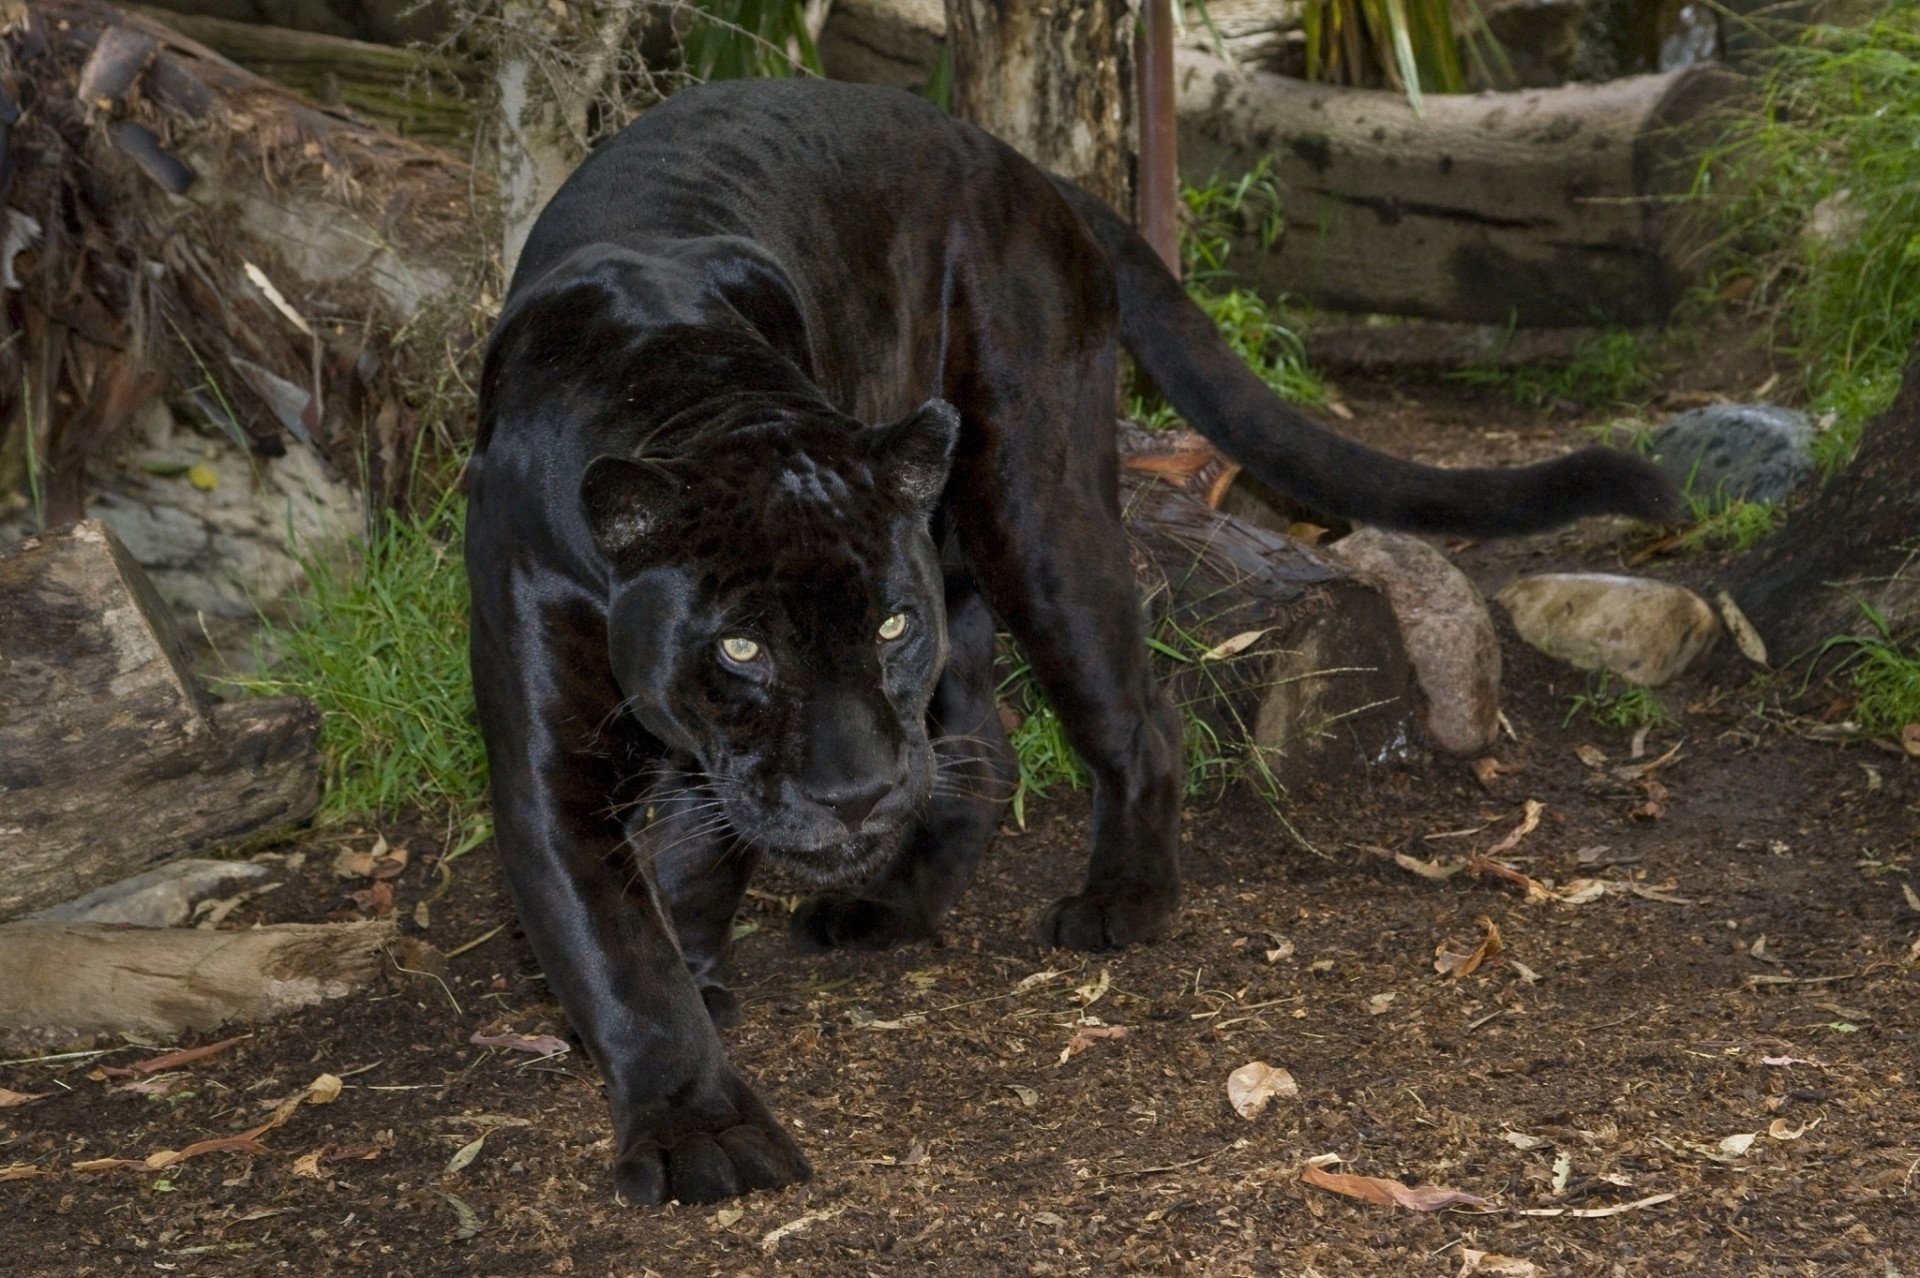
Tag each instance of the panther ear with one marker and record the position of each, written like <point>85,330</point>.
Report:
<point>626,501</point>
<point>913,455</point>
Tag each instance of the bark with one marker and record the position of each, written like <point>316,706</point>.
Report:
<point>1542,207</point>
<point>111,758</point>
<point>146,175</point>
<point>1851,543</point>
<point>421,96</point>
<point>1323,688</point>
<point>1055,81</point>
<point>63,980</point>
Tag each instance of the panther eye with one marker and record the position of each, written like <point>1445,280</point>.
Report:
<point>893,627</point>
<point>741,651</point>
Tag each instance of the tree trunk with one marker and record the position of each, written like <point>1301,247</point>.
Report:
<point>1055,81</point>
<point>111,757</point>
<point>64,980</point>
<point>1851,543</point>
<point>1542,207</point>
<point>1281,653</point>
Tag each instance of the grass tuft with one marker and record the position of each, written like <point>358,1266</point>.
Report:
<point>1616,704</point>
<point>1823,229</point>
<point>380,646</point>
<point>1885,674</point>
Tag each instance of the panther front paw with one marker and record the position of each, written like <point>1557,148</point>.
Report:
<point>1098,921</point>
<point>706,1157</point>
<point>843,921</point>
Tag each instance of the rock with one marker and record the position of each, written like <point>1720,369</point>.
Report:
<point>161,897</point>
<point>1645,631</point>
<point>221,532</point>
<point>1448,634</point>
<point>1736,452</point>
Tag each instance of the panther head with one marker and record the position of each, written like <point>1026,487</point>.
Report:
<point>777,622</point>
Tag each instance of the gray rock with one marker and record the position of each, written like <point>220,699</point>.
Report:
<point>1448,635</point>
<point>161,897</point>
<point>1733,452</point>
<point>1645,631</point>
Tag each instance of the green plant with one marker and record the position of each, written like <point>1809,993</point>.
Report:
<point>1257,330</point>
<point>380,646</point>
<point>1885,674</point>
<point>736,39</point>
<point>1408,45</point>
<point>1616,705</point>
<point>1039,739</point>
<point>1820,213</point>
<point>1617,368</point>
<point>1733,526</point>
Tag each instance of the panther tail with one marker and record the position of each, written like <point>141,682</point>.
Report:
<point>1207,382</point>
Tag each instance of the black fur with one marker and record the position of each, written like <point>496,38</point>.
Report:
<point>719,616</point>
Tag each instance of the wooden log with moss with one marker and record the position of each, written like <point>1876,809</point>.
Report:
<point>1539,207</point>
<point>112,758</point>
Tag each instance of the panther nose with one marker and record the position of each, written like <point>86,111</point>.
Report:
<point>853,802</point>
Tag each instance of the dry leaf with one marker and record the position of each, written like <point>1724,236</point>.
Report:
<point>1377,1004</point>
<point>1449,962</point>
<point>1494,1266</point>
<point>172,1060</point>
<point>1087,1035</point>
<point>1250,1087</point>
<point>1236,645</point>
<point>1390,1193</point>
<point>1781,1129</point>
<point>1656,805</point>
<point>324,1090</point>
<point>376,900</point>
<point>1427,869</point>
<point>1745,637</point>
<point>537,1044</point>
<point>22,1171</point>
<point>466,1154</point>
<point>1284,949</point>
<point>1028,1097</point>
<point>1487,770</point>
<point>308,1165</point>
<point>9,1099</point>
<point>1736,1145</point>
<point>1529,821</point>
<point>1592,756</point>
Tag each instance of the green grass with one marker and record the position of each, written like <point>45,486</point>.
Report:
<point>1616,704</point>
<point>1825,215</point>
<point>1885,674</point>
<point>1615,369</point>
<point>1259,331</point>
<point>380,646</point>
<point>1733,526</point>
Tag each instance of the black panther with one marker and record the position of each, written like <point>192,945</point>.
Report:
<point>800,390</point>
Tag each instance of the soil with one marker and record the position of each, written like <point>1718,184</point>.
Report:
<point>1708,1064</point>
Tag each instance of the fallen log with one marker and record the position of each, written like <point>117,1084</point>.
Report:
<point>61,981</point>
<point>1293,666</point>
<point>1539,207</point>
<point>112,759</point>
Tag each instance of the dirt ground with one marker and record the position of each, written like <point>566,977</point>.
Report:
<point>1705,1059</point>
